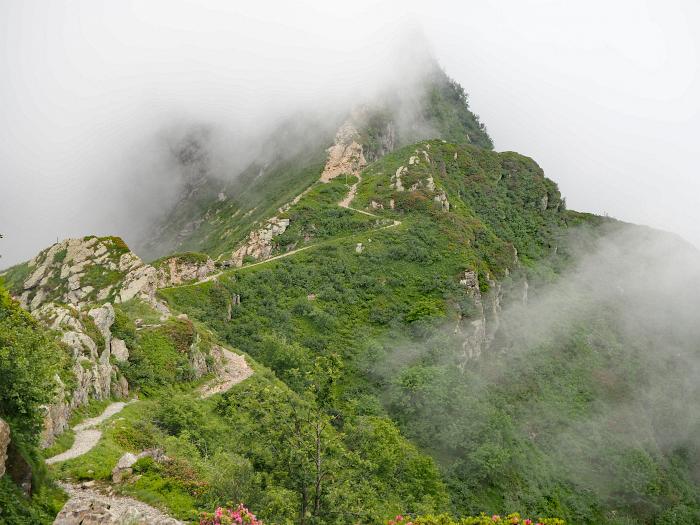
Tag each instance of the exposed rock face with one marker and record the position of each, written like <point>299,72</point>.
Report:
<point>103,318</point>
<point>385,142</point>
<point>178,270</point>
<point>140,281</point>
<point>345,155</point>
<point>4,443</point>
<point>396,183</point>
<point>123,467</point>
<point>478,326</point>
<point>70,271</point>
<point>119,350</point>
<point>96,377</point>
<point>81,271</point>
<point>260,242</point>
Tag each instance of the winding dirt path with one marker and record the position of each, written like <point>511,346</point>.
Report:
<point>234,369</point>
<point>86,435</point>
<point>343,203</point>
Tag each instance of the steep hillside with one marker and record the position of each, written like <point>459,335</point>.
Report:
<point>381,317</point>
<point>217,210</point>
<point>419,314</point>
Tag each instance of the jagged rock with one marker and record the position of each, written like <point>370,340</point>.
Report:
<point>120,386</point>
<point>81,344</point>
<point>35,277</point>
<point>4,443</point>
<point>123,467</point>
<point>259,244</point>
<point>396,183</point>
<point>119,350</point>
<point>104,319</point>
<point>129,261</point>
<point>478,326</point>
<point>64,272</point>
<point>472,326</point>
<point>345,155</point>
<point>95,376</point>
<point>177,270</point>
<point>141,280</point>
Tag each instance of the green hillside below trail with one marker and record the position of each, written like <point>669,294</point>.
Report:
<point>409,326</point>
<point>396,314</point>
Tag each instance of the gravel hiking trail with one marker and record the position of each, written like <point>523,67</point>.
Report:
<point>89,506</point>
<point>86,435</point>
<point>343,203</point>
<point>233,370</point>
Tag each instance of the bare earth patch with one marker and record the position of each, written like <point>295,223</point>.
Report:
<point>234,369</point>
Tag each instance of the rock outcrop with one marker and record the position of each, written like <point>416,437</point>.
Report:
<point>4,443</point>
<point>73,271</point>
<point>82,271</point>
<point>95,376</point>
<point>260,242</point>
<point>181,269</point>
<point>477,326</point>
<point>345,155</point>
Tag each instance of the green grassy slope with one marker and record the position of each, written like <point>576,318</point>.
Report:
<point>388,314</point>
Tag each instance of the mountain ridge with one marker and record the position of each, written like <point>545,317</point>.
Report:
<point>428,328</point>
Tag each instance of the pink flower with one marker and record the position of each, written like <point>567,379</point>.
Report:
<point>527,522</point>
<point>495,517</point>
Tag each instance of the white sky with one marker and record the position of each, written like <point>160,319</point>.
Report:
<point>602,94</point>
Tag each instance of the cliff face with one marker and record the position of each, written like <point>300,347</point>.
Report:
<point>72,288</point>
<point>89,339</point>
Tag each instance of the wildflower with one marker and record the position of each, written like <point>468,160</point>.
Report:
<point>495,518</point>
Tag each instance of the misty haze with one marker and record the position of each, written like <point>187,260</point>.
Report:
<point>308,264</point>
